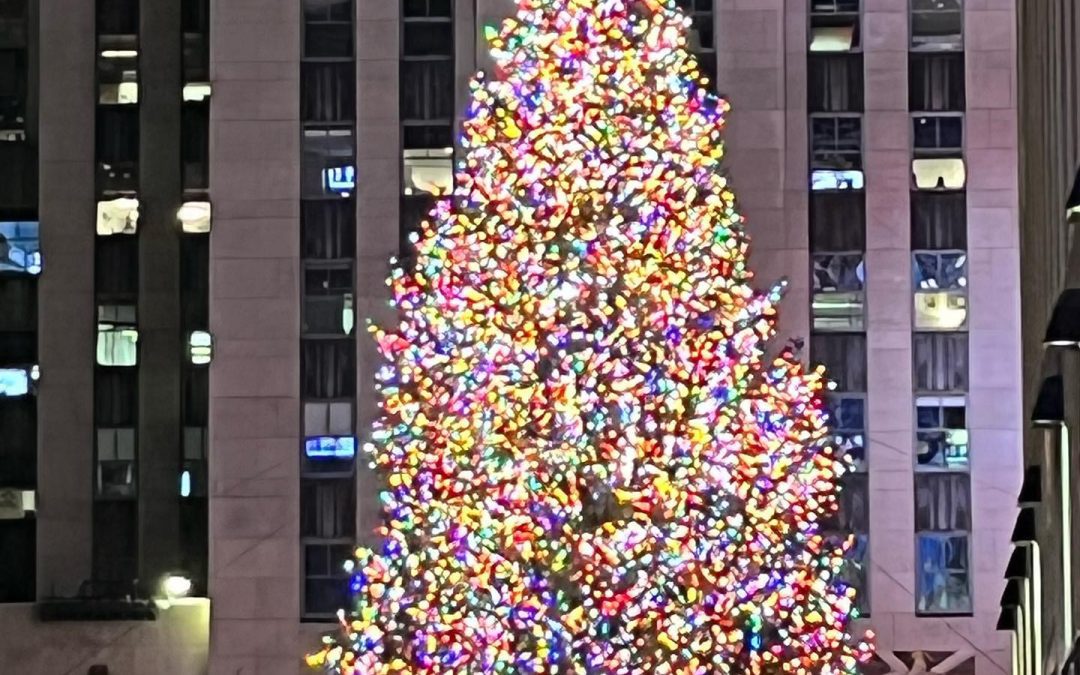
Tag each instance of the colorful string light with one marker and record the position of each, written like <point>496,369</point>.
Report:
<point>592,465</point>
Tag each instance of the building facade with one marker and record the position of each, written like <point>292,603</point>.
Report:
<point>1038,605</point>
<point>195,393</point>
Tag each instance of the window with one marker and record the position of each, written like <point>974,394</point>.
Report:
<point>941,362</point>
<point>329,454</point>
<point>328,419</point>
<point>938,220</point>
<point>118,148</point>
<point>428,34</point>
<point>118,76</point>
<point>853,514</point>
<point>20,247</point>
<point>118,335</point>
<point>195,145</point>
<point>328,508</point>
<point>937,25</point>
<point>844,357</point>
<point>18,314</point>
<point>701,27</point>
<point>940,280</point>
<point>939,173</point>
<point>847,415</point>
<point>329,163</point>
<point>326,584</point>
<point>838,291</point>
<point>196,92</point>
<point>834,25</point>
<point>942,501</point>
<point>13,94</point>
<point>427,89</point>
<point>328,301</point>
<point>115,549</point>
<point>328,30</point>
<point>194,282</point>
<point>115,462</point>
<point>116,268</point>
<point>429,171</point>
<point>18,541</point>
<point>117,17</point>
<point>415,210</point>
<point>329,368</point>
<point>194,217</point>
<point>327,91</point>
<point>836,142</point>
<point>828,179</point>
<point>200,348</point>
<point>115,399</point>
<point>937,134</point>
<point>421,136</point>
<point>193,474</point>
<point>835,83</point>
<point>941,435</point>
<point>118,216</point>
<point>944,582</point>
<point>328,230</point>
<point>419,9</point>
<point>17,381</point>
<point>837,221</point>
<point>936,82</point>
<point>18,443</point>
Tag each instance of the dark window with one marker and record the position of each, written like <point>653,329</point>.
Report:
<point>837,223</point>
<point>118,147</point>
<point>836,142</point>
<point>844,358</point>
<point>13,72</point>
<point>328,301</point>
<point>195,281</point>
<point>328,91</point>
<point>115,551</point>
<point>18,305</point>
<point>853,500</point>
<point>942,502</point>
<point>115,397</point>
<point>117,17</point>
<point>936,82</point>
<point>328,28</point>
<point>427,136</point>
<point>196,405</point>
<point>328,229</point>
<point>835,83</point>
<point>329,368</point>
<point>18,442</point>
<point>328,508</point>
<point>17,574</point>
<point>195,16</point>
<point>18,175</point>
<point>847,416</point>
<point>941,361</point>
<point>428,38</point>
<point>415,209</point>
<point>326,584</point>
<point>701,26</point>
<point>938,220</point>
<point>116,269</point>
<point>194,542</point>
<point>195,144</point>
<point>935,134</point>
<point>427,90</point>
<point>428,9</point>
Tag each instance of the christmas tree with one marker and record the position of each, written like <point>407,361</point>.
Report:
<point>592,464</point>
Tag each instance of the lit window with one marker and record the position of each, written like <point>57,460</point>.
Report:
<point>834,25</point>
<point>15,503</point>
<point>15,381</point>
<point>947,173</point>
<point>838,291</point>
<point>200,347</point>
<point>825,179</point>
<point>193,474</point>
<point>194,217</point>
<point>429,171</point>
<point>329,167</point>
<point>118,76</point>
<point>937,25</point>
<point>328,419</point>
<point>330,447</point>
<point>116,462</point>
<point>197,91</point>
<point>940,290</point>
<point>942,437</point>
<point>118,336</point>
<point>20,247</point>
<point>944,582</point>
<point>118,216</point>
<point>340,180</point>
<point>847,416</point>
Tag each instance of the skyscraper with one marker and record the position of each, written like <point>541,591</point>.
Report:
<point>202,201</point>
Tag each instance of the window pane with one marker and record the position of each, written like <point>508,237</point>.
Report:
<point>940,290</point>
<point>944,585</point>
<point>328,229</point>
<point>942,501</point>
<point>941,436</point>
<point>838,32</point>
<point>328,160</point>
<point>836,142</point>
<point>428,38</point>
<point>838,292</point>
<point>195,144</point>
<point>844,357</point>
<point>427,90</point>
<point>847,417</point>
<point>329,368</point>
<point>20,247</point>
<point>117,335</point>
<point>328,508</point>
<point>328,40</point>
<point>117,17</point>
<point>936,82</point>
<point>328,301</point>
<point>933,133</point>
<point>118,77</point>
<point>938,220</point>
<point>328,91</point>
<point>429,171</point>
<point>837,221</point>
<point>115,397</point>
<point>427,136</point>
<point>835,83</point>
<point>941,361</point>
<point>946,173</point>
<point>936,24</point>
<point>853,515</point>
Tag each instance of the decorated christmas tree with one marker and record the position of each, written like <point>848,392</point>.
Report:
<point>592,465</point>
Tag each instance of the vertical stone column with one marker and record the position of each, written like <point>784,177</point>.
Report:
<point>66,328</point>
<point>255,318</point>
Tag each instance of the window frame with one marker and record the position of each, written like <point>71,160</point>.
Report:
<point>919,573</point>
<point>941,403</point>
<point>937,341</point>
<point>812,14</point>
<point>857,321</point>
<point>817,164</point>
<point>957,290</point>
<point>931,47</point>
